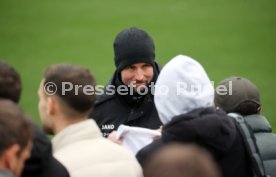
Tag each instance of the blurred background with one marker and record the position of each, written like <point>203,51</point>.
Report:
<point>228,38</point>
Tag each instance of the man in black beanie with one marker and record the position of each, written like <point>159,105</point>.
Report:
<point>127,98</point>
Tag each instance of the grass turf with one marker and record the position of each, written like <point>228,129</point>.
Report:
<point>228,37</point>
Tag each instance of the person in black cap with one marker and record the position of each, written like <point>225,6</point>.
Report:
<point>242,96</point>
<point>128,97</point>
<point>41,162</point>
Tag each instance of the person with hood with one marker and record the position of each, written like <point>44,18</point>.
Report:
<point>127,98</point>
<point>243,97</point>
<point>41,162</point>
<point>184,99</point>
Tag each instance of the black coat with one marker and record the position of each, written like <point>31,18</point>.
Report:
<point>212,130</point>
<point>112,110</point>
<point>42,163</point>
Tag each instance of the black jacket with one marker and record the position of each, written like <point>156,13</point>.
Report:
<point>212,130</point>
<point>112,110</point>
<point>266,141</point>
<point>42,162</point>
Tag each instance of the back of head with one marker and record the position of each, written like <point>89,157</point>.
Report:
<point>131,46</point>
<point>181,160</point>
<point>182,86</point>
<point>240,96</point>
<point>74,85</point>
<point>10,83</point>
<point>15,126</point>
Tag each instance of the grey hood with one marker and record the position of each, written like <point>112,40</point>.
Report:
<point>181,87</point>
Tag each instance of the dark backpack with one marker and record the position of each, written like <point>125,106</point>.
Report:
<point>250,145</point>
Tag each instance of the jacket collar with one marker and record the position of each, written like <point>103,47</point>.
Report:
<point>77,132</point>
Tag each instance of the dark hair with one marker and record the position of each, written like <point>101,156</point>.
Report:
<point>15,126</point>
<point>78,100</point>
<point>10,83</point>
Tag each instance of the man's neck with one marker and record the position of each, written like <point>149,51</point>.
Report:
<point>66,122</point>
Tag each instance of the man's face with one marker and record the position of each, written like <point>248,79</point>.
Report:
<point>43,109</point>
<point>138,75</point>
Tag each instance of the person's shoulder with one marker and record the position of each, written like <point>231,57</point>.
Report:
<point>101,99</point>
<point>258,123</point>
<point>203,115</point>
<point>206,123</point>
<point>146,152</point>
<point>104,107</point>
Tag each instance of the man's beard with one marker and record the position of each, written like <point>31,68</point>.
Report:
<point>141,87</point>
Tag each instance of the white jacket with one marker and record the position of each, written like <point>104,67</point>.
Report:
<point>85,153</point>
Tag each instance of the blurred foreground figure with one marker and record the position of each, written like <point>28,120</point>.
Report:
<point>181,160</point>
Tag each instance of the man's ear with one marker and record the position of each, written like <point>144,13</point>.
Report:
<point>51,105</point>
<point>260,109</point>
<point>11,157</point>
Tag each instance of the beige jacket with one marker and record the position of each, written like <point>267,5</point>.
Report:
<point>85,153</point>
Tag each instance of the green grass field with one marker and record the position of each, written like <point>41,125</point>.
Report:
<point>235,37</point>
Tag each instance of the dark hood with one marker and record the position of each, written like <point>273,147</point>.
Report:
<point>204,126</point>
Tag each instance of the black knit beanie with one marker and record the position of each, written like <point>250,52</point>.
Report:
<point>132,46</point>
